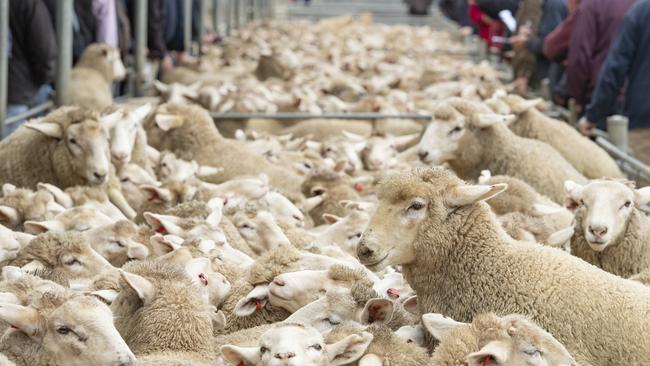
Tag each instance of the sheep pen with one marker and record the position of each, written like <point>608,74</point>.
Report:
<point>145,232</point>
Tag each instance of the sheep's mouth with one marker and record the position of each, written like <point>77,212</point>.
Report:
<point>377,262</point>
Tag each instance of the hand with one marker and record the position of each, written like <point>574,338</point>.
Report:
<point>586,127</point>
<point>518,42</point>
<point>166,64</point>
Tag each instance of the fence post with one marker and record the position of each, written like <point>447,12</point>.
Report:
<point>573,112</point>
<point>617,128</point>
<point>200,26</point>
<point>215,16</point>
<point>237,14</point>
<point>64,43</point>
<point>187,26</point>
<point>4,60</point>
<point>140,45</point>
<point>228,11</point>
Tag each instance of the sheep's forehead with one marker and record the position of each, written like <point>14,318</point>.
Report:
<point>415,183</point>
<point>294,332</point>
<point>83,310</point>
<point>611,191</point>
<point>87,128</point>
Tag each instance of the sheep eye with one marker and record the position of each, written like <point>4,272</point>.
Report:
<point>582,202</point>
<point>73,141</point>
<point>533,353</point>
<point>72,262</point>
<point>416,206</point>
<point>119,244</point>
<point>455,130</point>
<point>124,180</point>
<point>628,204</point>
<point>264,349</point>
<point>63,330</point>
<point>409,341</point>
<point>317,347</point>
<point>332,322</point>
<point>307,165</point>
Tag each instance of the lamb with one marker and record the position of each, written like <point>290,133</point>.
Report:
<point>161,315</point>
<point>128,140</point>
<point>67,147</point>
<point>386,347</point>
<point>62,328</point>
<point>92,77</point>
<point>456,237</point>
<point>611,232</point>
<point>260,230</point>
<point>300,345</point>
<point>509,340</point>
<point>18,205</point>
<point>588,158</point>
<point>116,243</point>
<point>343,232</point>
<point>337,187</point>
<point>189,132</point>
<point>80,218</point>
<point>89,196</point>
<point>66,254</point>
<point>471,138</point>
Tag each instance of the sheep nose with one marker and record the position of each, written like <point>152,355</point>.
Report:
<point>100,177</point>
<point>279,282</point>
<point>598,231</point>
<point>121,156</point>
<point>284,356</point>
<point>363,250</point>
<point>423,154</point>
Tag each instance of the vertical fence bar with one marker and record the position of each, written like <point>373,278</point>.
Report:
<point>140,45</point>
<point>237,15</point>
<point>250,10</point>
<point>64,43</point>
<point>187,26</point>
<point>617,128</point>
<point>4,60</point>
<point>215,16</point>
<point>200,25</point>
<point>228,12</point>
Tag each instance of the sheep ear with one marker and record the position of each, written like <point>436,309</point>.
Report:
<point>33,266</point>
<point>39,227</point>
<point>168,122</point>
<point>353,136</point>
<point>218,319</point>
<point>573,189</point>
<point>162,245</point>
<point>559,238</point>
<point>377,310</point>
<point>107,296</point>
<point>370,359</point>
<point>9,216</point>
<point>9,298</point>
<point>59,195</point>
<point>8,188</point>
<point>469,194</point>
<point>310,203</point>
<point>27,319</point>
<point>53,130</point>
<point>110,120</point>
<point>160,86</point>
<point>240,135</point>
<point>195,266</point>
<point>339,166</point>
<point>540,209</point>
<point>142,111</point>
<point>264,178</point>
<point>156,194</point>
<point>495,350</point>
<point>152,154</point>
<point>642,196</point>
<point>256,300</point>
<point>403,141</point>
<point>137,251</point>
<point>216,206</point>
<point>331,219</point>
<point>241,356</point>
<point>522,105</point>
<point>411,305</point>
<point>484,120</point>
<point>145,289</point>
<point>204,170</point>
<point>439,325</point>
<point>485,177</point>
<point>349,349</point>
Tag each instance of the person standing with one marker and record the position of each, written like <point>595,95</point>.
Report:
<point>627,60</point>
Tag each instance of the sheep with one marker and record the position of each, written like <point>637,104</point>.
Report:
<point>128,140</point>
<point>189,132</point>
<point>343,232</point>
<point>161,315</point>
<point>132,177</point>
<point>298,344</point>
<point>337,187</point>
<point>89,196</point>
<point>465,265</point>
<point>68,147</point>
<point>67,254</point>
<point>80,218</point>
<point>11,242</point>
<point>18,205</point>
<point>62,328</point>
<point>115,242</point>
<point>471,138</point>
<point>386,347</point>
<point>508,340</point>
<point>380,152</point>
<point>524,213</point>
<point>260,230</point>
<point>588,158</point>
<point>611,232</point>
<point>92,77</point>
<point>170,168</point>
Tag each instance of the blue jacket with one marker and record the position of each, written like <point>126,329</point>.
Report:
<point>628,60</point>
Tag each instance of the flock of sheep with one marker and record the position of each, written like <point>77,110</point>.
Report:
<point>139,233</point>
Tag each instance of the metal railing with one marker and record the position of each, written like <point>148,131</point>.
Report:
<point>291,116</point>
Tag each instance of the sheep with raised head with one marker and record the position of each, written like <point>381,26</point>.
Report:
<point>471,138</point>
<point>611,232</point>
<point>460,262</point>
<point>92,77</point>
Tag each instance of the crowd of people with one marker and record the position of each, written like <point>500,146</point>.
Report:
<point>596,52</point>
<point>33,47</point>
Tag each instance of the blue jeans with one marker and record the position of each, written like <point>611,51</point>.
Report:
<point>41,96</point>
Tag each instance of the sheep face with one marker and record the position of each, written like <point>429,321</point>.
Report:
<point>381,152</point>
<point>87,146</point>
<point>115,242</point>
<point>296,344</point>
<point>81,218</point>
<point>81,332</point>
<point>409,199</point>
<point>344,232</point>
<point>261,232</point>
<point>170,168</point>
<point>294,290</point>
<point>282,208</point>
<point>441,139</point>
<point>131,177</point>
<point>123,130</point>
<point>605,207</point>
<point>394,286</point>
<point>22,204</point>
<point>9,245</point>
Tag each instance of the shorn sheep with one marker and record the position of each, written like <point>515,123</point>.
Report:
<point>461,263</point>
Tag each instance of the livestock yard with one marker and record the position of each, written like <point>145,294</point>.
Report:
<point>309,184</point>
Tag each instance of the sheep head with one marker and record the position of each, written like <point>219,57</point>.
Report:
<point>123,127</point>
